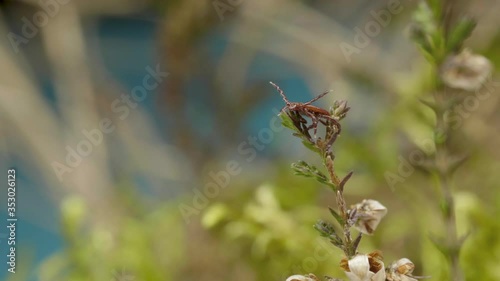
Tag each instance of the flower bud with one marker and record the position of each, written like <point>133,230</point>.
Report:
<point>401,270</point>
<point>339,109</point>
<point>367,215</point>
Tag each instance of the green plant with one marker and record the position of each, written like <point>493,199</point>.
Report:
<point>459,73</point>
<point>364,216</point>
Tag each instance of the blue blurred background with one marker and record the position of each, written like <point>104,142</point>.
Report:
<point>122,210</point>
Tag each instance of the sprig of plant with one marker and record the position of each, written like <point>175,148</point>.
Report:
<point>323,147</point>
<point>304,119</point>
<point>440,36</point>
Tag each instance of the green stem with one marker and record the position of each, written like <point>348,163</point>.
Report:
<point>448,211</point>
<point>349,250</point>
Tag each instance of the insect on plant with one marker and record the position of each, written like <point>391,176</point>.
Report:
<point>316,114</point>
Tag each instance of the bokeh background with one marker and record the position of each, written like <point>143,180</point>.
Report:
<point>131,209</point>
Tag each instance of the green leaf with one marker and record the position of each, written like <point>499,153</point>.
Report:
<point>440,244</point>
<point>355,244</point>
<point>438,43</point>
<point>429,56</point>
<point>287,122</point>
<point>425,19</point>
<point>325,229</point>
<point>462,30</point>
<point>427,34</point>
<point>337,217</point>
<point>456,162</point>
<point>310,146</point>
<point>435,7</point>
<point>302,168</point>
<point>423,42</point>
<point>431,104</point>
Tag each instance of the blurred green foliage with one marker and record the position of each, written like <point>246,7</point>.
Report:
<point>147,247</point>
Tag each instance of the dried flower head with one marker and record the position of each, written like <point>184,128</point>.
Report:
<point>465,71</point>
<point>401,270</point>
<point>308,277</point>
<point>364,267</point>
<point>367,215</point>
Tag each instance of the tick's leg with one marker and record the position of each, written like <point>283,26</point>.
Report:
<point>324,122</point>
<point>290,113</point>
<point>317,98</point>
<point>315,124</point>
<point>282,94</point>
<point>334,121</point>
<point>314,120</point>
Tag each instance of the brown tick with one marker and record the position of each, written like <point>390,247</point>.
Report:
<point>316,114</point>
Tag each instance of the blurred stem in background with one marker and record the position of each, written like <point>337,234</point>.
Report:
<point>440,35</point>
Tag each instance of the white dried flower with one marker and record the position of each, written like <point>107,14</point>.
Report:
<point>401,270</point>
<point>365,268</point>
<point>466,71</point>
<point>308,277</point>
<point>367,215</point>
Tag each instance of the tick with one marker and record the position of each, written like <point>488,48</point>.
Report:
<point>316,114</point>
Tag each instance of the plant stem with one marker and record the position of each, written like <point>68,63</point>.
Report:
<point>339,196</point>
<point>448,211</point>
<point>451,229</point>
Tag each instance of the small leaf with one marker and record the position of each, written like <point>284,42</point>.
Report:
<point>431,104</point>
<point>427,166</point>
<point>336,241</point>
<point>337,217</point>
<point>462,30</point>
<point>436,7</point>
<point>301,168</point>
<point>287,122</point>
<point>456,162</point>
<point>440,244</point>
<point>344,180</point>
<point>425,19</point>
<point>355,244</point>
<point>423,41</point>
<point>325,229</point>
<point>311,146</point>
<point>462,238</point>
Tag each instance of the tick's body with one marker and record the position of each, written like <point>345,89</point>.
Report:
<point>311,108</point>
